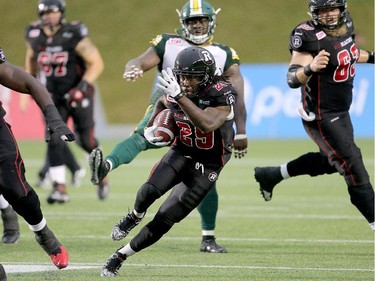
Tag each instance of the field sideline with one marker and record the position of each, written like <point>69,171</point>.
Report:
<point>309,231</point>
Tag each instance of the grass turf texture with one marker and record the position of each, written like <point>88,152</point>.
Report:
<point>309,231</point>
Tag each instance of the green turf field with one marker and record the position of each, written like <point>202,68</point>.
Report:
<point>309,231</point>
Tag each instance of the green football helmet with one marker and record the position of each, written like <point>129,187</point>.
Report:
<point>197,9</point>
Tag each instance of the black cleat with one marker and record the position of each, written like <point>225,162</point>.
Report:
<point>124,226</point>
<point>210,246</point>
<point>11,233</point>
<point>99,168</point>
<point>267,177</point>
<point>103,190</point>
<point>113,264</point>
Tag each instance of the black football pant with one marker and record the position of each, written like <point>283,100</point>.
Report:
<point>193,180</point>
<point>13,185</point>
<point>334,136</point>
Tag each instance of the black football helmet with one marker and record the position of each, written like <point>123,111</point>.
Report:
<point>197,9</point>
<point>51,6</point>
<point>315,5</point>
<point>195,61</point>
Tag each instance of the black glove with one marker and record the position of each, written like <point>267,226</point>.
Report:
<point>55,124</point>
<point>78,93</point>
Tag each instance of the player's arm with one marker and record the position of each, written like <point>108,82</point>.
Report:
<point>303,65</point>
<point>92,58</point>
<point>135,67</point>
<point>366,56</point>
<point>31,65</point>
<point>240,142</point>
<point>206,120</point>
<point>20,81</point>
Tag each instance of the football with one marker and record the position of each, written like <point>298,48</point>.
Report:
<point>165,125</point>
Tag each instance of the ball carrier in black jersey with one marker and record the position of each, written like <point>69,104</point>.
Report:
<point>203,111</point>
<point>71,64</point>
<point>324,54</point>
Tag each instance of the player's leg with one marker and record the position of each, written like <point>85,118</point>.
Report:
<point>17,191</point>
<point>312,164</point>
<point>208,211</point>
<point>125,151</point>
<point>162,178</point>
<point>11,228</point>
<point>336,139</point>
<point>56,160</point>
<point>181,201</point>
<point>83,118</point>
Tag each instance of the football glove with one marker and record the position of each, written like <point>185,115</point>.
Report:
<point>78,93</point>
<point>55,125</point>
<point>168,84</point>
<point>150,137</point>
<point>240,145</point>
<point>133,74</point>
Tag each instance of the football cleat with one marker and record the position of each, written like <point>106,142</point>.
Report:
<point>60,257</point>
<point>57,253</point>
<point>44,182</point>
<point>111,268</point>
<point>124,226</point>
<point>267,177</point>
<point>78,177</point>
<point>99,168</point>
<point>11,233</point>
<point>57,196</point>
<point>210,246</point>
<point>103,191</point>
<point>3,275</point>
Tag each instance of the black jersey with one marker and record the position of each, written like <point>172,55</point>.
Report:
<point>2,60</point>
<point>56,55</point>
<point>213,148</point>
<point>331,89</point>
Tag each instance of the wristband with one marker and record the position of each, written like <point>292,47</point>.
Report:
<point>240,137</point>
<point>370,57</point>
<point>307,70</point>
<point>177,97</point>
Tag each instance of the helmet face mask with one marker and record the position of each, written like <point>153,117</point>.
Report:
<point>194,9</point>
<point>316,5</point>
<point>194,69</point>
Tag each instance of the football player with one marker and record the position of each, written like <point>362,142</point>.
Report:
<point>198,21</point>
<point>202,105</point>
<point>70,63</point>
<point>13,185</point>
<point>324,54</point>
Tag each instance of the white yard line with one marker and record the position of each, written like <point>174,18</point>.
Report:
<point>19,268</point>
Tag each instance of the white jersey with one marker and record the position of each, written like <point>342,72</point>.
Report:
<point>167,46</point>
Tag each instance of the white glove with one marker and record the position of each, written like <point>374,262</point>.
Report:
<point>303,114</point>
<point>133,74</point>
<point>168,84</point>
<point>150,137</point>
